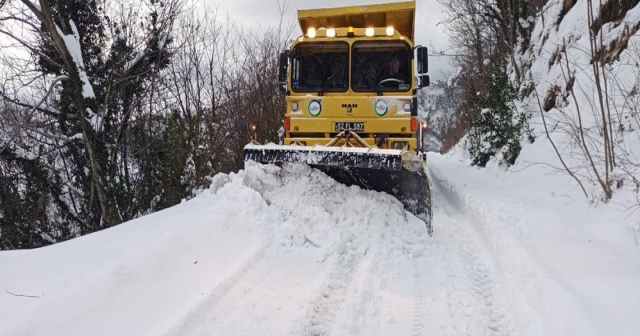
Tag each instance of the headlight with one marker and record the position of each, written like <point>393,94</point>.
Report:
<point>331,32</point>
<point>369,32</point>
<point>406,107</point>
<point>399,144</point>
<point>314,108</point>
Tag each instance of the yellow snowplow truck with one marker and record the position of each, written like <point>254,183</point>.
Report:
<point>350,83</point>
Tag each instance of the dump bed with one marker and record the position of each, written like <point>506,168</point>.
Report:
<point>400,15</point>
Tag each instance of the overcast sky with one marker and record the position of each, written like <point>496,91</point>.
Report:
<point>265,12</point>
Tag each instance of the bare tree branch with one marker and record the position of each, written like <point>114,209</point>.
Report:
<point>21,295</point>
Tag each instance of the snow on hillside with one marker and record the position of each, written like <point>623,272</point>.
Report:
<point>288,251</point>
<point>558,62</point>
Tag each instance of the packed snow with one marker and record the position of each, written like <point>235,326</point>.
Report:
<point>288,251</point>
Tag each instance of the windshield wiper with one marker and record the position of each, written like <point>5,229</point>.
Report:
<point>331,80</point>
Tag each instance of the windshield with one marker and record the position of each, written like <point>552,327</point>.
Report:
<point>320,67</point>
<point>381,66</point>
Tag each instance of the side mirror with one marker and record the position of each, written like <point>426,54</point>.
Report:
<point>423,60</point>
<point>282,71</point>
<point>424,81</point>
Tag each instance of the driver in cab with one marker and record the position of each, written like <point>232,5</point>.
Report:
<point>393,77</point>
<point>394,69</point>
<point>384,74</point>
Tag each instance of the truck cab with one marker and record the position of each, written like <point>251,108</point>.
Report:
<point>355,69</point>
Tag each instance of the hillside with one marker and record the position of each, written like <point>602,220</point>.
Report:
<point>437,106</point>
<point>557,93</point>
<point>584,81</point>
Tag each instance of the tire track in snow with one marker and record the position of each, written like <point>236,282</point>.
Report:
<point>217,293</point>
<point>475,262</point>
<point>419,304</point>
<point>360,312</point>
<point>328,299</point>
<point>432,277</point>
<point>498,225</point>
<point>487,290</point>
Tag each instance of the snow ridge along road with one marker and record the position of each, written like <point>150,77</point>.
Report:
<point>562,268</point>
<point>288,251</point>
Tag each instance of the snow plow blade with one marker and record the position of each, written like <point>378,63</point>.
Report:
<point>399,173</point>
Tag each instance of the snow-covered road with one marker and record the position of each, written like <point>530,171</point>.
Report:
<point>288,251</point>
<point>443,288</point>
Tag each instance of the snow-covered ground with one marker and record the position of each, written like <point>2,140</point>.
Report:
<point>288,251</point>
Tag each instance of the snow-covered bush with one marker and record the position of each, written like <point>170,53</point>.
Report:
<point>500,124</point>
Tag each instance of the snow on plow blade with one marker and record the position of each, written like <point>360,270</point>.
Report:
<point>395,172</point>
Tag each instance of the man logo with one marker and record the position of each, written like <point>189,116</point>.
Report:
<point>349,107</point>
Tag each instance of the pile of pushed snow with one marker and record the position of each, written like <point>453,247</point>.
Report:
<point>149,275</point>
<point>315,210</point>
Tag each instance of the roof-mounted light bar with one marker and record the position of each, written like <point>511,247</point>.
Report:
<point>322,32</point>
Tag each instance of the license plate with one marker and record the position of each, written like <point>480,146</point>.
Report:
<point>357,126</point>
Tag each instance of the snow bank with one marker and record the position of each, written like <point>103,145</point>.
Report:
<point>567,269</point>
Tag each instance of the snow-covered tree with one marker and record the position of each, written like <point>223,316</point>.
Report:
<point>499,125</point>
<point>128,108</point>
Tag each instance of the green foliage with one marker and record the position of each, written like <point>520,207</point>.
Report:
<point>163,150</point>
<point>498,126</point>
<point>30,204</point>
